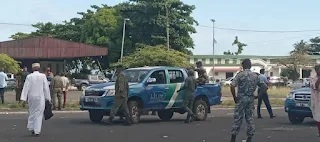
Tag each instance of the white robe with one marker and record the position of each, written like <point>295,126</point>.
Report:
<point>35,91</point>
<point>315,99</point>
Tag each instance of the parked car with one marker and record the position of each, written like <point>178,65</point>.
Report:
<point>275,82</point>
<point>150,89</point>
<point>89,80</point>
<point>299,83</point>
<point>228,81</point>
<point>296,105</point>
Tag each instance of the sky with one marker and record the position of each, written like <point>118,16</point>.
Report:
<point>271,15</point>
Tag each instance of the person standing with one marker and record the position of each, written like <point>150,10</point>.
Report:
<point>202,74</point>
<point>315,97</point>
<point>21,78</point>
<point>190,85</point>
<point>3,84</point>
<point>263,95</point>
<point>66,83</point>
<point>120,98</point>
<point>36,91</point>
<point>247,82</point>
<point>56,87</point>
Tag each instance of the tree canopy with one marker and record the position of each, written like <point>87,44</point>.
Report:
<point>8,64</point>
<point>103,26</point>
<point>240,46</point>
<point>155,56</point>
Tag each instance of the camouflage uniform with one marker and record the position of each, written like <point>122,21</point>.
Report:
<point>120,99</point>
<point>56,87</point>
<point>202,76</point>
<point>247,82</point>
<point>20,78</point>
<point>189,88</point>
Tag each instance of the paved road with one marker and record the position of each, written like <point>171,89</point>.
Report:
<point>72,96</point>
<point>78,128</point>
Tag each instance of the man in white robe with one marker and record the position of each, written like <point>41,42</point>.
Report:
<point>36,92</point>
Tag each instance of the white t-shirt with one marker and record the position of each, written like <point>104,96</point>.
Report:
<point>65,81</point>
<point>3,80</point>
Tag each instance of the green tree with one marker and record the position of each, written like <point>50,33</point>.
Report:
<point>8,64</point>
<point>315,46</point>
<point>298,58</point>
<point>156,56</point>
<point>240,46</point>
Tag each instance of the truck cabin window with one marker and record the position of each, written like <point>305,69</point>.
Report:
<point>160,77</point>
<point>176,76</point>
<point>133,75</point>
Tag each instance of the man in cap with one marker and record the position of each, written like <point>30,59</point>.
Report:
<point>120,97</point>
<point>36,91</point>
<point>202,74</point>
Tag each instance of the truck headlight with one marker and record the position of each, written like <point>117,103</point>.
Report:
<point>110,92</point>
<point>290,96</point>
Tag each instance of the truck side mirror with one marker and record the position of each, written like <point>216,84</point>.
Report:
<point>151,80</point>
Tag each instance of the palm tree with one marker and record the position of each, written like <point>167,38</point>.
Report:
<point>301,47</point>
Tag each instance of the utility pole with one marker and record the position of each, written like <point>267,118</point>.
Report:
<point>123,35</point>
<point>213,42</point>
<point>167,18</point>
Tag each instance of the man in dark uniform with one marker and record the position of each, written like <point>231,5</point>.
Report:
<point>21,78</point>
<point>190,85</point>
<point>202,74</point>
<point>247,82</point>
<point>120,97</point>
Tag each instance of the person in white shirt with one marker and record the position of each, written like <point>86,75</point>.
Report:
<point>3,84</point>
<point>66,83</point>
<point>36,91</point>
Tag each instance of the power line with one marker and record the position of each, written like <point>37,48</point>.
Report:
<point>265,41</point>
<point>220,28</point>
<point>258,31</point>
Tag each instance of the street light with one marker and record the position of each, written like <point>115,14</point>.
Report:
<point>213,42</point>
<point>123,35</point>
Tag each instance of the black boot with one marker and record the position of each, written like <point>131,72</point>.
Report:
<point>109,121</point>
<point>233,138</point>
<point>128,121</point>
<point>249,139</point>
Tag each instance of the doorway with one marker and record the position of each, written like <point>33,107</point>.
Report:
<point>229,74</point>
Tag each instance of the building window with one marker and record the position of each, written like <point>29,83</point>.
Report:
<point>203,60</point>
<point>216,73</point>
<point>234,61</point>
<point>211,60</point>
<point>195,59</point>
<point>271,73</point>
<point>219,61</point>
<point>227,61</point>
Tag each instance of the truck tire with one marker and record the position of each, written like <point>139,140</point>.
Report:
<point>134,111</point>
<point>165,115</point>
<point>95,116</point>
<point>82,87</point>
<point>295,119</point>
<point>200,109</point>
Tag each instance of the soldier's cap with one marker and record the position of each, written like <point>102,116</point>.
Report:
<point>199,63</point>
<point>190,72</point>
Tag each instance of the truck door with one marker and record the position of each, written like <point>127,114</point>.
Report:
<point>156,90</point>
<point>176,81</point>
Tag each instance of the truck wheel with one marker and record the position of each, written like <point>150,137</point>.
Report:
<point>95,116</point>
<point>83,87</point>
<point>200,109</point>
<point>165,115</point>
<point>294,119</point>
<point>134,111</point>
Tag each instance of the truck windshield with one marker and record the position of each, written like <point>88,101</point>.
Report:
<point>133,75</point>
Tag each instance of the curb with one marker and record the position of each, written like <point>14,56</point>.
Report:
<point>77,111</point>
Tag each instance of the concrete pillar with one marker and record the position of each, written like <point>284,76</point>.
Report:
<point>300,72</point>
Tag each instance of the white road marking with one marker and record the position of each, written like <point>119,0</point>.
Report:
<point>174,96</point>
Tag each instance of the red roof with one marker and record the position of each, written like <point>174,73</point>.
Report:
<point>49,48</point>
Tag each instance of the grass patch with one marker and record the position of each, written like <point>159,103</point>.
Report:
<point>274,102</point>
<point>17,106</point>
<point>279,92</point>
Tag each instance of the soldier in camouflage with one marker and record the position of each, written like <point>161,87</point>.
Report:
<point>247,82</point>
<point>120,98</point>
<point>189,88</point>
<point>202,74</point>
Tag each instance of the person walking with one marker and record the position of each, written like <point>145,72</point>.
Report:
<point>56,87</point>
<point>263,95</point>
<point>36,92</point>
<point>315,97</point>
<point>66,83</point>
<point>120,98</point>
<point>190,85</point>
<point>247,82</point>
<point>20,80</point>
<point>3,84</point>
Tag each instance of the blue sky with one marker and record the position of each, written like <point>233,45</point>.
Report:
<point>244,14</point>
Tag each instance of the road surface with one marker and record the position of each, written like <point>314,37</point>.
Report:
<point>77,127</point>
